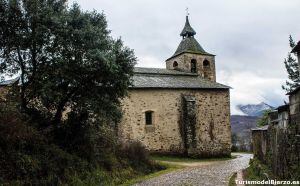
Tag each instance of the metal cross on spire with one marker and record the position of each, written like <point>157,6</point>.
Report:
<point>187,11</point>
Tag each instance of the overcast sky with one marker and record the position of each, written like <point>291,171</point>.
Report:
<point>248,37</point>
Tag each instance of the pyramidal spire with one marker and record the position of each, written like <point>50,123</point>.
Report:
<point>187,31</point>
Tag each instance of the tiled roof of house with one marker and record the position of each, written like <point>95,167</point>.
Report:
<point>171,79</point>
<point>261,128</point>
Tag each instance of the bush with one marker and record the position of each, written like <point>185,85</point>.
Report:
<point>81,151</point>
<point>134,151</point>
<point>138,157</point>
<point>26,157</point>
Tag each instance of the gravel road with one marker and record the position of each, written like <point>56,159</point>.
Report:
<point>215,173</point>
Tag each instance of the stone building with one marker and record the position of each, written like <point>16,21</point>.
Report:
<point>179,109</point>
<point>278,144</point>
<point>259,141</point>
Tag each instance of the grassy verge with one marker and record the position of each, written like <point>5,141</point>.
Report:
<point>169,168</point>
<point>257,171</point>
<point>243,152</point>
<point>232,180</point>
<point>188,160</point>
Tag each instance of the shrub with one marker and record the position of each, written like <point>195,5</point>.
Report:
<point>138,157</point>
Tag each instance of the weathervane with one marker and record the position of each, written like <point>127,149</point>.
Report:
<point>187,11</point>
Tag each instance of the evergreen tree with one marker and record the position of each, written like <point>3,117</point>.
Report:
<point>263,120</point>
<point>66,58</point>
<point>292,69</point>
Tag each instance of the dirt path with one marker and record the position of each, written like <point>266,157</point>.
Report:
<point>216,173</point>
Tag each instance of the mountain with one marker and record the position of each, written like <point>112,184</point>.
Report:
<point>254,109</point>
<point>242,124</point>
<point>241,129</point>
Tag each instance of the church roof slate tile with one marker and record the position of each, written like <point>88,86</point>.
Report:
<point>188,43</point>
<point>187,30</point>
<point>171,79</point>
<point>142,70</point>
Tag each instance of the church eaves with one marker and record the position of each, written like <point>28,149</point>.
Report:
<point>155,78</point>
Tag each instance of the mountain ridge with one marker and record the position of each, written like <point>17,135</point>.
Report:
<point>254,109</point>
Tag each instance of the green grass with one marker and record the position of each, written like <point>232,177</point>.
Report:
<point>243,152</point>
<point>232,180</point>
<point>188,160</point>
<point>169,168</point>
<point>257,171</point>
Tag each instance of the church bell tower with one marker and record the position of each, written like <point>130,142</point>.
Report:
<point>191,57</point>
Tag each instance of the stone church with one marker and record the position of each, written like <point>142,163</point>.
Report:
<point>180,109</point>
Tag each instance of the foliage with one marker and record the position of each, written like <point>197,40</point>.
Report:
<point>263,120</point>
<point>257,171</point>
<point>72,77</point>
<point>232,180</point>
<point>239,144</point>
<point>28,157</point>
<point>292,69</point>
<point>65,57</point>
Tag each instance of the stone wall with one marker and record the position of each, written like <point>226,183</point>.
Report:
<point>295,110</point>
<point>282,140</point>
<point>259,141</point>
<point>212,128</point>
<point>184,64</point>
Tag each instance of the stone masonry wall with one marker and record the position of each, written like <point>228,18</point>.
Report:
<point>184,64</point>
<point>213,133</point>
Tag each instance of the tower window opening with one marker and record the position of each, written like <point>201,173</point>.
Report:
<point>149,117</point>
<point>175,64</point>
<point>193,66</point>
<point>206,63</point>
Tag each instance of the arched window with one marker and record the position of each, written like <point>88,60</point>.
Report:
<point>206,63</point>
<point>193,66</point>
<point>175,64</point>
<point>149,117</point>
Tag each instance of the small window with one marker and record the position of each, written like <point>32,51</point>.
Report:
<point>193,66</point>
<point>148,117</point>
<point>206,64</point>
<point>175,64</point>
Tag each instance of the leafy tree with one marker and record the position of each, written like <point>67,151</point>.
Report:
<point>25,34</point>
<point>65,57</point>
<point>292,69</point>
<point>263,120</point>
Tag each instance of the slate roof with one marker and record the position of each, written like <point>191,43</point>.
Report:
<point>171,79</point>
<point>187,30</point>
<point>261,128</point>
<point>188,43</point>
<point>9,82</point>
<point>162,71</point>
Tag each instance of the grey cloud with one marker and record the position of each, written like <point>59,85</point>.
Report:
<point>248,36</point>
